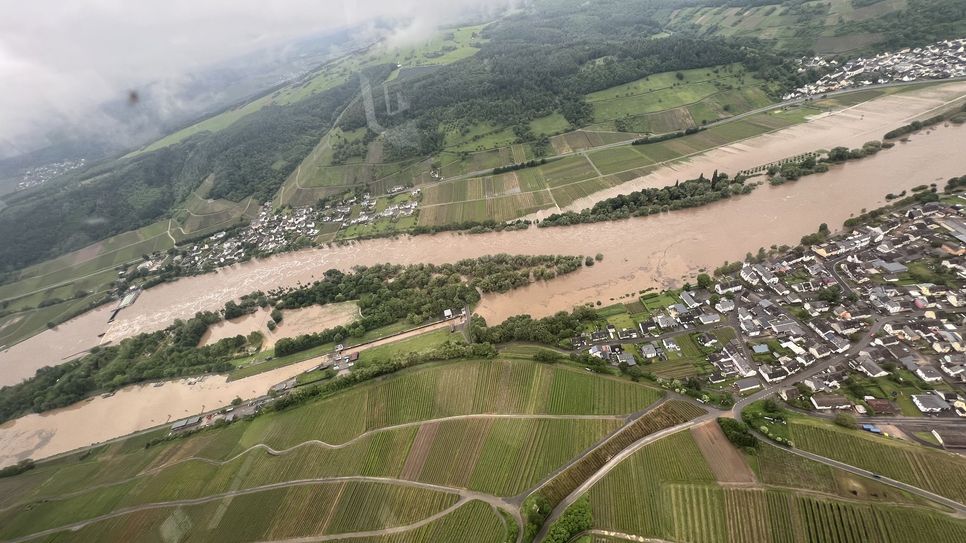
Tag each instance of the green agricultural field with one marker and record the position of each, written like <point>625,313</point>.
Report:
<point>299,511</point>
<point>475,521</point>
<point>417,344</point>
<point>939,472</point>
<point>667,491</point>
<point>69,283</point>
<point>790,26</point>
<point>666,415</point>
<point>501,456</point>
<point>444,390</point>
<point>266,360</point>
<point>446,47</point>
<point>662,102</point>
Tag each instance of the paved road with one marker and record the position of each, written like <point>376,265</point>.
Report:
<point>952,504</point>
<point>465,495</point>
<point>611,464</point>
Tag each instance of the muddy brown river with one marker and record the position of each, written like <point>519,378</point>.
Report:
<point>646,252</point>
<point>656,251</point>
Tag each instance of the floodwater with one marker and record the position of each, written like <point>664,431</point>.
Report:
<point>140,407</point>
<point>656,251</point>
<point>295,322</point>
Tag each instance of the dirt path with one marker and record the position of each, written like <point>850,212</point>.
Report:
<point>314,443</point>
<point>725,461</point>
<point>465,496</point>
<point>419,451</point>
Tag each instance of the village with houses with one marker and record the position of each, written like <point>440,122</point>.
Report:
<point>277,230</point>
<point>869,322</point>
<point>942,60</point>
<point>39,175</point>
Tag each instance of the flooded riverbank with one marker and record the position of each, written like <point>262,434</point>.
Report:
<point>295,322</point>
<point>645,252</point>
<point>140,407</point>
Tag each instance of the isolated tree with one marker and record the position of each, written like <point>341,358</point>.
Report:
<point>704,281</point>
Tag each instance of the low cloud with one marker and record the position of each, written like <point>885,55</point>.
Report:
<point>60,60</point>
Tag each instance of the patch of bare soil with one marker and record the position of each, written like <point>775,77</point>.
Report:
<point>419,451</point>
<point>725,461</point>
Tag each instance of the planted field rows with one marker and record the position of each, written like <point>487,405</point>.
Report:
<point>302,511</point>
<point>667,491</point>
<point>625,499</point>
<point>475,521</point>
<point>501,457</point>
<point>499,208</point>
<point>664,416</point>
<point>939,472</point>
<point>453,389</point>
<point>711,514</point>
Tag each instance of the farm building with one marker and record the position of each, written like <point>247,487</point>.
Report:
<point>185,423</point>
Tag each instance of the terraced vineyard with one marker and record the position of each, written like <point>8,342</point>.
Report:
<point>664,416</point>
<point>939,472</point>
<point>449,390</point>
<point>666,491</point>
<point>498,457</point>
<point>312,509</point>
<point>501,454</point>
<point>639,479</point>
<point>475,521</point>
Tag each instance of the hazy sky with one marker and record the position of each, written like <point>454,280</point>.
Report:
<point>60,58</point>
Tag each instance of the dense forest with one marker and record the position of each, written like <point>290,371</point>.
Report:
<point>385,294</point>
<point>690,193</point>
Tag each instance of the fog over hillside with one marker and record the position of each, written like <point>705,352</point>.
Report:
<point>183,59</point>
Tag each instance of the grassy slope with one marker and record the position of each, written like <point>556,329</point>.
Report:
<point>499,456</point>
<point>939,472</point>
<point>666,491</point>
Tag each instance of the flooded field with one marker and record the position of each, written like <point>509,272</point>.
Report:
<point>639,253</point>
<point>129,410</point>
<point>295,322</point>
<point>140,407</point>
<point>849,127</point>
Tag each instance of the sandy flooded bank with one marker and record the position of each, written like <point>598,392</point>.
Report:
<point>645,252</point>
<point>131,409</point>
<point>295,322</point>
<point>140,407</point>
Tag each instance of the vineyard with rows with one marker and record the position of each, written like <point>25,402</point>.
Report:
<point>462,388</point>
<point>667,491</point>
<point>501,457</point>
<point>630,498</point>
<point>301,511</point>
<point>666,415</point>
<point>475,521</point>
<point>939,472</point>
<point>778,467</point>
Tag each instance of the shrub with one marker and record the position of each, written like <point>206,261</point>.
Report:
<point>738,433</point>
